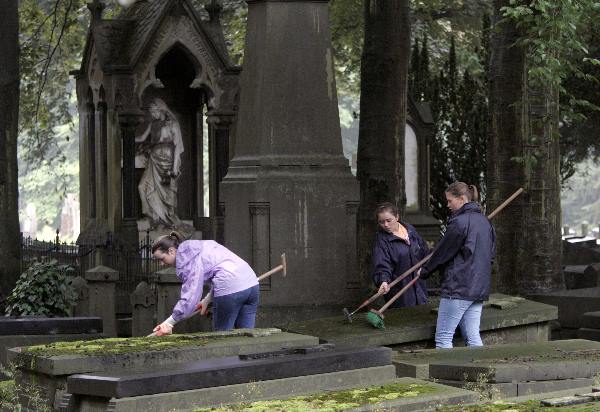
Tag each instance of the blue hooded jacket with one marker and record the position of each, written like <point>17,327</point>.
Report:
<point>392,257</point>
<point>465,255</point>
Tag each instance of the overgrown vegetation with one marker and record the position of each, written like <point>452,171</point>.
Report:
<point>333,401</point>
<point>118,346</point>
<point>43,289</point>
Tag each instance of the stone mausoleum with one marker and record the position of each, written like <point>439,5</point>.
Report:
<point>153,50</point>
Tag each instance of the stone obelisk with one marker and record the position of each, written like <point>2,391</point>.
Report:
<point>288,187</point>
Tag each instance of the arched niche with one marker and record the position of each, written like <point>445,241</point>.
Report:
<point>175,73</point>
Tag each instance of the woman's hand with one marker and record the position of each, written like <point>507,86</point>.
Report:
<point>384,288</point>
<point>163,329</point>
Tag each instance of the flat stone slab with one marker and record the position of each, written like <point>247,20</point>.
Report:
<point>514,372</point>
<point>225,371</point>
<point>26,325</point>
<point>12,341</point>
<point>590,320</point>
<point>565,401</point>
<point>414,324</point>
<point>403,394</point>
<point>416,363</point>
<point>571,304</point>
<point>516,389</point>
<point>123,353</point>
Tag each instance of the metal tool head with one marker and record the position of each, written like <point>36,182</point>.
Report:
<point>284,264</point>
<point>348,315</point>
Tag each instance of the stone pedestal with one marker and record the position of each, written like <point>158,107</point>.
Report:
<point>168,291</point>
<point>289,188</point>
<point>143,304</point>
<point>102,285</point>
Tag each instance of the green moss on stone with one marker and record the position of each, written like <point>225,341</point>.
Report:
<point>115,346</point>
<point>7,389</point>
<point>528,406</point>
<point>333,401</point>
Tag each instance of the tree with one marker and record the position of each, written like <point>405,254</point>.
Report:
<point>530,60</point>
<point>384,72</point>
<point>10,245</point>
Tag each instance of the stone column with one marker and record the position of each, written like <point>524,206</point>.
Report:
<point>218,148</point>
<point>129,121</point>
<point>288,154</point>
<point>143,304</point>
<point>102,294</point>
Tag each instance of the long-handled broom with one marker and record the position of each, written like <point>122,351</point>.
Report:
<point>375,317</point>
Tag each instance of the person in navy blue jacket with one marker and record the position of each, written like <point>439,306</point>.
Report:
<point>397,247</point>
<point>465,255</point>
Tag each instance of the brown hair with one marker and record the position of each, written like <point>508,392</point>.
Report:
<point>387,207</point>
<point>458,189</point>
<point>164,243</point>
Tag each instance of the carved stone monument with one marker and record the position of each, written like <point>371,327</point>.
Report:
<point>156,70</point>
<point>289,188</point>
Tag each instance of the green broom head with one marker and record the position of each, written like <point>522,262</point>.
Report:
<point>375,320</point>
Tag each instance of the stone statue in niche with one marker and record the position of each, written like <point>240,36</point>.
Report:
<point>162,145</point>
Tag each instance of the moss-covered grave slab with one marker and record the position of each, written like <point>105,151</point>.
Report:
<point>38,330</point>
<point>67,358</point>
<point>403,394</point>
<point>48,366</point>
<point>416,363</point>
<point>357,390</point>
<point>504,319</point>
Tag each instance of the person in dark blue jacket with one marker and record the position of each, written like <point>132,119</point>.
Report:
<point>397,247</point>
<point>465,255</point>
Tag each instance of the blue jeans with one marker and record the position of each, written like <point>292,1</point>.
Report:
<point>457,312</point>
<point>236,310</point>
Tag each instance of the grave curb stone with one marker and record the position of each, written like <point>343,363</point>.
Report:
<point>565,401</point>
<point>254,391</point>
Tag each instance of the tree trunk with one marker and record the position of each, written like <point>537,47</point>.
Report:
<point>10,244</point>
<point>522,152</point>
<point>384,72</point>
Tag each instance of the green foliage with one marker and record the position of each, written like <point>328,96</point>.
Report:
<point>347,33</point>
<point>557,35</point>
<point>43,289</point>
<point>460,110</point>
<point>52,35</point>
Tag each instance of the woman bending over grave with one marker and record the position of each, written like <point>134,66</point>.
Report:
<point>233,284</point>
<point>397,247</point>
<point>465,255</point>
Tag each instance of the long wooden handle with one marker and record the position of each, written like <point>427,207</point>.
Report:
<point>400,293</point>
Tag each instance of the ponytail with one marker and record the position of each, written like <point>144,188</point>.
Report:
<point>164,243</point>
<point>458,189</point>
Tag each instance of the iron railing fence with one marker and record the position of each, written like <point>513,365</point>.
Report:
<point>133,266</point>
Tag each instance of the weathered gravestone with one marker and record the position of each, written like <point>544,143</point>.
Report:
<point>571,304</point>
<point>590,326</point>
<point>507,370</point>
<point>48,366</point>
<point>504,319</point>
<point>26,331</point>
<point>581,276</point>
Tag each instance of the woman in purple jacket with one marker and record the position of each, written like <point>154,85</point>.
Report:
<point>234,285</point>
<point>397,247</point>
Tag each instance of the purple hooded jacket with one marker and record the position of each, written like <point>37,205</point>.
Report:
<point>206,261</point>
